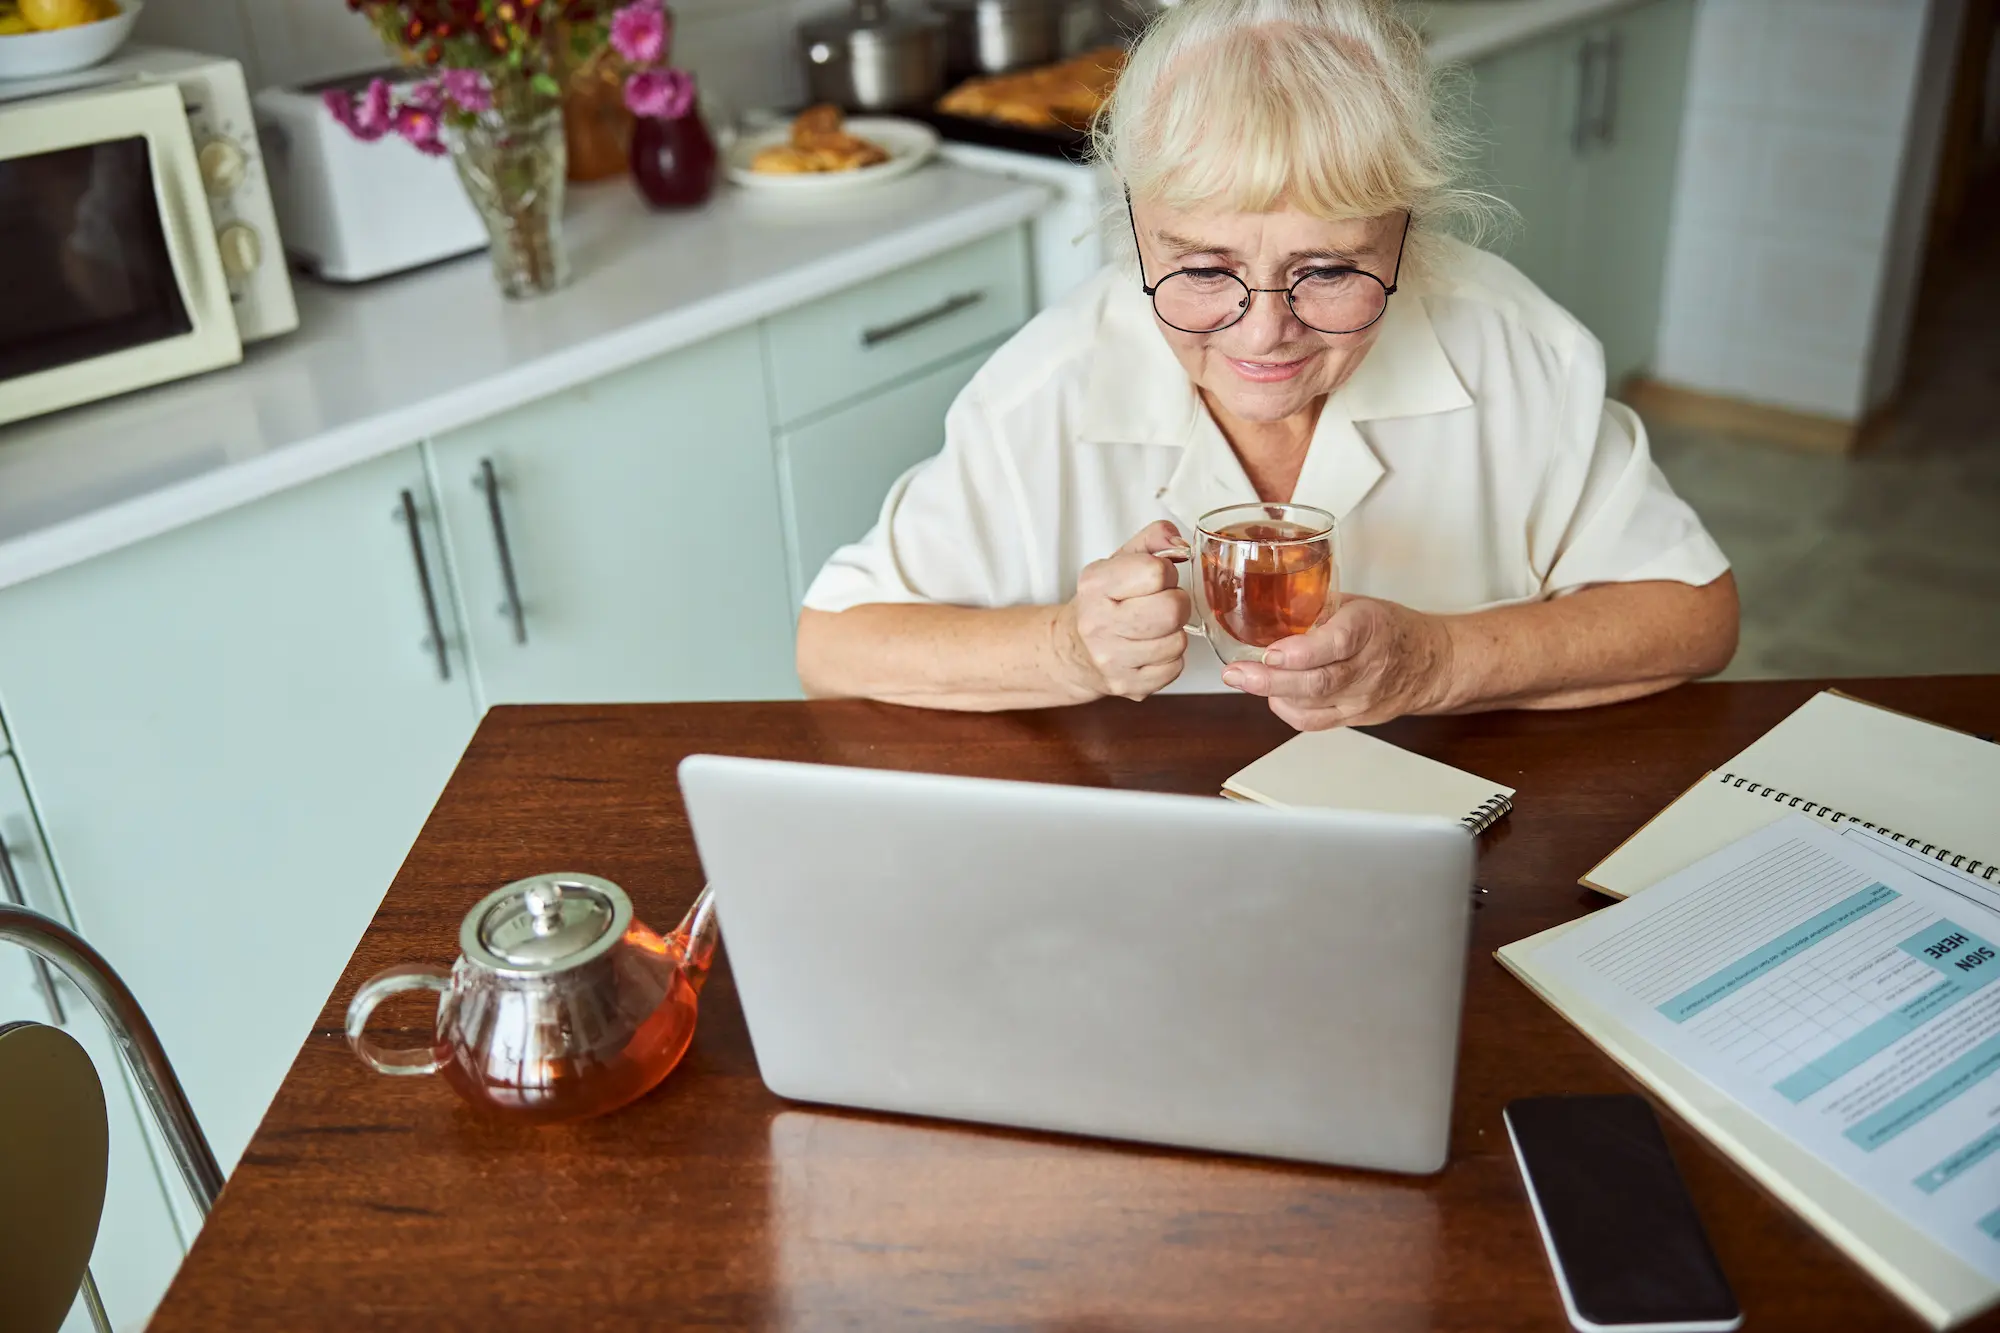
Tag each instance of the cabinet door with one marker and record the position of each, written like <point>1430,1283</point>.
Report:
<point>1624,201</point>
<point>233,732</point>
<point>138,1245</point>
<point>1526,109</point>
<point>641,520</point>
<point>838,469</point>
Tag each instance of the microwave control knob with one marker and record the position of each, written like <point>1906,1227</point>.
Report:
<point>222,165</point>
<point>242,250</point>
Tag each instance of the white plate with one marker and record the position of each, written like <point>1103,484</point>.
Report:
<point>907,142</point>
<point>28,55</point>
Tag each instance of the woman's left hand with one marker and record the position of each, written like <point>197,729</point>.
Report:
<point>1369,662</point>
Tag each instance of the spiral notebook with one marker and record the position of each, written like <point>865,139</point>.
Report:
<point>1345,769</point>
<point>1927,789</point>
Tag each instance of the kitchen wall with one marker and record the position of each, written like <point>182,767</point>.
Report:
<point>742,50</point>
<point>1808,154</point>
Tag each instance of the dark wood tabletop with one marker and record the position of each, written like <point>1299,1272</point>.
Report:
<point>372,1202</point>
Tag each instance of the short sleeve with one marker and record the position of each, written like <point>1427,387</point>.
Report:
<point>1606,514</point>
<point>950,530</point>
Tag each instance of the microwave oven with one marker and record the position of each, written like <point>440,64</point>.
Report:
<point>137,239</point>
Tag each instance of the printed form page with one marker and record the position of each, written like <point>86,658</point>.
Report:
<point>1848,1001</point>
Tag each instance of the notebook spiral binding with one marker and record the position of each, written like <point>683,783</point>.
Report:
<point>1489,810</point>
<point>1989,871</point>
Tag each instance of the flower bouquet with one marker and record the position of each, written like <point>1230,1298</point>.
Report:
<point>486,90</point>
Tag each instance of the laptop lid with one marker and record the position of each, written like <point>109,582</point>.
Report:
<point>1171,969</point>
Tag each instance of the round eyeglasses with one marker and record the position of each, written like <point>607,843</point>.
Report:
<point>1338,299</point>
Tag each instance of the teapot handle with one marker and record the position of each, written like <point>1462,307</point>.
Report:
<point>696,936</point>
<point>410,976</point>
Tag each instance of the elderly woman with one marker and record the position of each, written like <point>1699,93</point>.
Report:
<point>1294,326</point>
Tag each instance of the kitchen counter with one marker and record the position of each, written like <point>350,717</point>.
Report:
<point>380,366</point>
<point>1467,30</point>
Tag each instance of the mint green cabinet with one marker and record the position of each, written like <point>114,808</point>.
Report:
<point>639,516</point>
<point>838,469</point>
<point>1623,203</point>
<point>1526,108</point>
<point>232,733</point>
<point>1581,134</point>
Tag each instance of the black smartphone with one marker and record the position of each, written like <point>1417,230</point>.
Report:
<point>1622,1234</point>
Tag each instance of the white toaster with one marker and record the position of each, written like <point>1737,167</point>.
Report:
<point>350,210</point>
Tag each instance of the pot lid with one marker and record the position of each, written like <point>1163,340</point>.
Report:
<point>1010,6</point>
<point>545,923</point>
<point>868,21</point>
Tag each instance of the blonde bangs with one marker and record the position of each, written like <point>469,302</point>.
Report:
<point>1327,106</point>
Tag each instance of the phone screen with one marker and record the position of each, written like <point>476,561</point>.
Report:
<point>1623,1235</point>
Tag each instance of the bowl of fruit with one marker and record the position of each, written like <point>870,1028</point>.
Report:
<point>40,37</point>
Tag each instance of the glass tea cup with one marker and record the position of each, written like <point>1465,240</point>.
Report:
<point>1259,573</point>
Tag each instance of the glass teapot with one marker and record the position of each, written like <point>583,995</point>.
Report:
<point>560,1006</point>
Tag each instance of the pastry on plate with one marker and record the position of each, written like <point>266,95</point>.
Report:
<point>819,142</point>
<point>1061,96</point>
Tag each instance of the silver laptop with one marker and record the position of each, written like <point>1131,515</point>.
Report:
<point>1172,969</point>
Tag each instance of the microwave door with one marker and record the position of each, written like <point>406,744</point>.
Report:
<point>84,262</point>
<point>109,277</point>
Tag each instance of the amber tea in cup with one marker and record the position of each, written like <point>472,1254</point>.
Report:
<point>1261,573</point>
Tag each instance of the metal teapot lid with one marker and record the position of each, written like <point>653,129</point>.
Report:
<point>545,923</point>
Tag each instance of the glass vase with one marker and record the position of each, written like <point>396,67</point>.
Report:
<point>512,165</point>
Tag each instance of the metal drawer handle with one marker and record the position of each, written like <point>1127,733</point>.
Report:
<point>408,513</point>
<point>944,309</point>
<point>10,884</point>
<point>1607,116</point>
<point>1598,63</point>
<point>1582,127</point>
<point>488,481</point>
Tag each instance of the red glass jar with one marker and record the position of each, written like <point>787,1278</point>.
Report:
<point>673,161</point>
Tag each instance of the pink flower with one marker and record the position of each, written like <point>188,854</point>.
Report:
<point>660,94</point>
<point>639,32</point>
<point>367,117</point>
<point>468,89</point>
<point>425,96</point>
<point>421,128</point>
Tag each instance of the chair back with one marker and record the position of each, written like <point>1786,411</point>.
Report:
<point>54,1146</point>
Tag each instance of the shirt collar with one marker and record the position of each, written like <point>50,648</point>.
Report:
<point>1138,393</point>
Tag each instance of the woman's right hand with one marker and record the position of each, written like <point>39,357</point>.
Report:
<point>1122,633</point>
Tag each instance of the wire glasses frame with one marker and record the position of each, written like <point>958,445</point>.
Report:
<point>1220,297</point>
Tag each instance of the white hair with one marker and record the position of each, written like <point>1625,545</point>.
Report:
<point>1327,106</point>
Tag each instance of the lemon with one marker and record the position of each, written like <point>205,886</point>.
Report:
<point>47,14</point>
<point>12,25</point>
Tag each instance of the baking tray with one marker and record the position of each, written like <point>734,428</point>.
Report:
<point>1069,145</point>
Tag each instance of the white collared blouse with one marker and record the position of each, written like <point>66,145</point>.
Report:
<point>1471,458</point>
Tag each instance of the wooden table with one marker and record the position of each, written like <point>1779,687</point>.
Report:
<point>373,1202</point>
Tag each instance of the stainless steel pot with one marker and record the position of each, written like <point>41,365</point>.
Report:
<point>871,58</point>
<point>995,36</point>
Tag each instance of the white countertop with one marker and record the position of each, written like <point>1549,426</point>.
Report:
<point>374,368</point>
<point>377,367</point>
<point>1464,30</point>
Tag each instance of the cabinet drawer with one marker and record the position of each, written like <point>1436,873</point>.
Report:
<point>838,469</point>
<point>846,344</point>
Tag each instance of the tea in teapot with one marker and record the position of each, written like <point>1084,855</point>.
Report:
<point>561,1005</point>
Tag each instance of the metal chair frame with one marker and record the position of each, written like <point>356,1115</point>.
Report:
<point>53,942</point>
